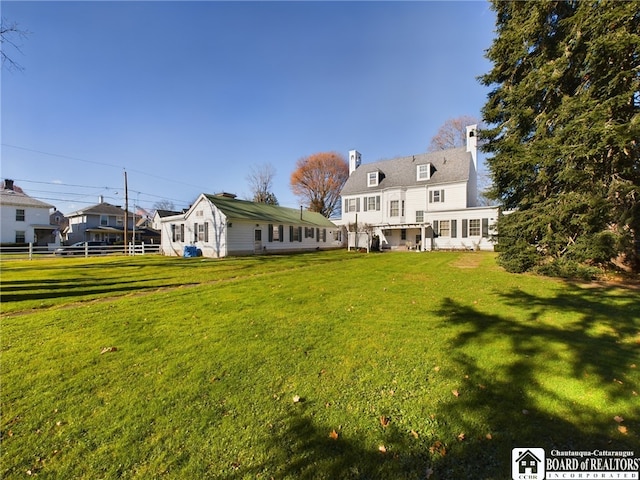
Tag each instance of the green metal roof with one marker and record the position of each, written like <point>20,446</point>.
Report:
<point>245,210</point>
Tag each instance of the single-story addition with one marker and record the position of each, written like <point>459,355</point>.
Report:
<point>221,225</point>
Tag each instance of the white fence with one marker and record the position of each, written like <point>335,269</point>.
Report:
<point>30,250</point>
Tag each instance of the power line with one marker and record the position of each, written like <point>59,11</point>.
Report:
<point>142,172</point>
<point>60,156</point>
<point>98,188</point>
<point>65,184</point>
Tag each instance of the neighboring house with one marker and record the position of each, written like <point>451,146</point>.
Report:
<point>425,202</point>
<point>221,225</point>
<point>144,230</point>
<point>24,219</point>
<point>58,219</point>
<point>98,223</point>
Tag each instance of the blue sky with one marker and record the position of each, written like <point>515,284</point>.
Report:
<point>187,97</point>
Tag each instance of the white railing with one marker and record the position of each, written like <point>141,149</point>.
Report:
<point>31,251</point>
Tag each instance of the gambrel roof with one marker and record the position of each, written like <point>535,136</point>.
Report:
<point>245,210</point>
<point>447,166</point>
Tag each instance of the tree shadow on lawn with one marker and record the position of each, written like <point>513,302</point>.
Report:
<point>20,290</point>
<point>303,449</point>
<point>495,408</point>
<point>525,402</point>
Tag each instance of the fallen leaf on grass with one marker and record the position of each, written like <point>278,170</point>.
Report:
<point>461,437</point>
<point>333,435</point>
<point>622,429</point>
<point>618,419</point>
<point>438,447</point>
<point>296,398</point>
<point>437,369</point>
<point>384,421</point>
<point>414,434</point>
<point>108,349</point>
<point>489,437</point>
<point>382,449</point>
<point>456,393</point>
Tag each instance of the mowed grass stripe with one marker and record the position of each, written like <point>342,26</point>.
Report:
<point>445,368</point>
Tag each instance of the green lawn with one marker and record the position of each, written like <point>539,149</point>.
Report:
<point>406,365</point>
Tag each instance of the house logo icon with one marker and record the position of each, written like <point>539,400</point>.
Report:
<point>527,464</point>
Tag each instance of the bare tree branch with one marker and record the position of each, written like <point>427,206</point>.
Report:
<point>10,34</point>
<point>452,133</point>
<point>261,182</point>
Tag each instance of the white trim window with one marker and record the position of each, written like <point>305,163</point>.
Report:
<point>372,179</point>
<point>372,203</point>
<point>423,172</point>
<point>474,227</point>
<point>445,228</point>
<point>352,205</point>
<point>436,196</point>
<point>177,232</point>
<point>394,208</point>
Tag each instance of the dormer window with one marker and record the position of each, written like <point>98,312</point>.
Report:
<point>424,172</point>
<point>372,179</point>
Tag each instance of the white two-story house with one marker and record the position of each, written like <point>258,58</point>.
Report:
<point>426,201</point>
<point>24,219</point>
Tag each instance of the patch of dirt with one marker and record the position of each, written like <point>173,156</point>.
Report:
<point>468,260</point>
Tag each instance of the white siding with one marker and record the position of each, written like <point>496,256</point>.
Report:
<point>466,221</point>
<point>32,216</point>
<point>241,237</point>
<point>455,197</point>
<point>228,236</point>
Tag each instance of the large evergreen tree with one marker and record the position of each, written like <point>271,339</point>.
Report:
<point>563,133</point>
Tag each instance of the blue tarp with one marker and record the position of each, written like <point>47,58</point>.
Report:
<point>190,251</point>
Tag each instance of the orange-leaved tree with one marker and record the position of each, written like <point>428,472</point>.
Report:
<point>318,180</point>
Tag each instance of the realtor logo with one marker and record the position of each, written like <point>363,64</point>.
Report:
<point>527,464</point>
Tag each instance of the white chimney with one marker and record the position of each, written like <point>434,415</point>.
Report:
<point>354,160</point>
<point>100,199</point>
<point>472,143</point>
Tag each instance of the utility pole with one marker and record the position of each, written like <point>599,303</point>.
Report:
<point>126,212</point>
